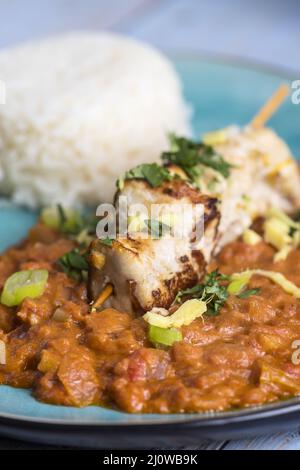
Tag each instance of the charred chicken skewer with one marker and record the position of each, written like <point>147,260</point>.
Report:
<point>236,175</point>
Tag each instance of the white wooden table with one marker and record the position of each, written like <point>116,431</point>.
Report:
<point>266,31</point>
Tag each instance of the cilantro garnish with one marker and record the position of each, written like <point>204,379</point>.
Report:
<point>192,156</point>
<point>74,264</point>
<point>211,291</point>
<point>153,173</point>
<point>107,241</point>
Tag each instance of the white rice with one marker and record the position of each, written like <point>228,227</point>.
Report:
<point>80,110</point>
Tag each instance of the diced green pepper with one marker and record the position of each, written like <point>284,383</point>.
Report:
<point>164,336</point>
<point>22,284</point>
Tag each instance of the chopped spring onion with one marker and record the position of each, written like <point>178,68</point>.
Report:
<point>278,214</point>
<point>250,237</point>
<point>215,137</point>
<point>187,312</point>
<point>239,283</point>
<point>276,277</point>
<point>165,336</point>
<point>66,220</point>
<point>282,232</point>
<point>22,284</point>
<point>50,217</point>
<point>276,232</point>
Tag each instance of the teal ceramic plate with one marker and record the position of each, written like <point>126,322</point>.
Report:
<point>219,94</point>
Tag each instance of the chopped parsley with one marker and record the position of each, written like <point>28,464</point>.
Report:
<point>153,173</point>
<point>74,264</point>
<point>107,241</point>
<point>193,156</point>
<point>211,291</point>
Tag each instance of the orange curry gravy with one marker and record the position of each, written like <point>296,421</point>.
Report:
<point>242,357</point>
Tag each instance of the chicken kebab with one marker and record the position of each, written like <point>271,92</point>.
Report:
<point>236,175</point>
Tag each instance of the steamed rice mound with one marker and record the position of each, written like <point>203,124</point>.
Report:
<point>80,110</point>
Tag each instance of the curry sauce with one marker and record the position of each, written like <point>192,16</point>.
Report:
<point>68,354</point>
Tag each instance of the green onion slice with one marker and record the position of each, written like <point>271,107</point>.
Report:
<point>22,284</point>
<point>278,278</point>
<point>164,336</point>
<point>66,220</point>
<point>238,283</point>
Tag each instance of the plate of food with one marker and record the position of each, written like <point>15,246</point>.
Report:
<point>134,327</point>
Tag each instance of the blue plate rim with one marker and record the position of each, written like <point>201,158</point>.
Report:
<point>278,408</point>
<point>233,61</point>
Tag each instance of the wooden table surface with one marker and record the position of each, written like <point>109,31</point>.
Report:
<point>265,31</point>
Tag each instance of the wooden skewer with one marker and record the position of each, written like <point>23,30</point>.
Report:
<point>270,107</point>
<point>103,296</point>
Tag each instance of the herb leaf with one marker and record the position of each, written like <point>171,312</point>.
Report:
<point>211,291</point>
<point>153,173</point>
<point>191,155</point>
<point>247,293</point>
<point>74,264</point>
<point>194,293</point>
<point>107,241</point>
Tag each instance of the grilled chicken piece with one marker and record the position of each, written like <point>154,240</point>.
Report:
<point>186,206</point>
<point>148,273</point>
